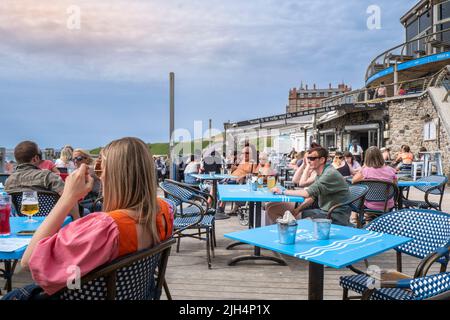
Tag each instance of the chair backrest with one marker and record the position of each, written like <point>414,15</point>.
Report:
<point>429,287</point>
<point>380,191</point>
<point>429,229</point>
<point>175,193</point>
<point>439,189</point>
<point>138,276</point>
<point>357,196</point>
<point>63,170</point>
<point>46,199</point>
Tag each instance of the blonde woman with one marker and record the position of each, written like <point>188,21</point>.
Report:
<point>65,160</point>
<point>80,157</point>
<point>133,218</point>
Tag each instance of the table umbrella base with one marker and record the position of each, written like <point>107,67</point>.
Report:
<point>221,216</point>
<point>235,260</point>
<point>235,244</point>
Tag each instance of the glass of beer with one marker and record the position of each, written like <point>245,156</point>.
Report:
<point>271,182</point>
<point>30,205</point>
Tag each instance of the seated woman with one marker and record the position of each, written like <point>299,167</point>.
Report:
<point>404,157</point>
<point>341,165</point>
<point>134,218</point>
<point>65,160</point>
<point>375,169</point>
<point>352,163</point>
<point>264,166</point>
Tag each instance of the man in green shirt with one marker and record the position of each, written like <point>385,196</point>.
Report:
<point>329,189</point>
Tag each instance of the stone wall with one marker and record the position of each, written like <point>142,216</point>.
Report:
<point>406,126</point>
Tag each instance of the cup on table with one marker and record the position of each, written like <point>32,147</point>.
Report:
<point>321,229</point>
<point>5,212</point>
<point>287,232</point>
<point>271,182</point>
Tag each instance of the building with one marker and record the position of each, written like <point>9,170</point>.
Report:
<point>415,78</point>
<point>306,98</point>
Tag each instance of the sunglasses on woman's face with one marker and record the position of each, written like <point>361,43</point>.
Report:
<point>312,158</point>
<point>98,168</point>
<point>339,157</point>
<point>79,158</point>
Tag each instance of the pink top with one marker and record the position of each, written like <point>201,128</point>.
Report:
<point>385,173</point>
<point>47,165</point>
<point>52,259</point>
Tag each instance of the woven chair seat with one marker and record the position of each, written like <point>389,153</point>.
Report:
<point>193,211</point>
<point>358,283</point>
<point>207,222</point>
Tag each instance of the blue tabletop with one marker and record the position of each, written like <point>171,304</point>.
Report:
<point>241,192</point>
<point>215,176</point>
<point>405,183</point>
<point>345,246</point>
<point>19,224</point>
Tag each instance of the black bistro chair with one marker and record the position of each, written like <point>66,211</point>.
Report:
<point>355,202</point>
<point>437,190</point>
<point>137,276</point>
<point>381,192</point>
<point>46,199</point>
<point>430,244</point>
<point>193,213</point>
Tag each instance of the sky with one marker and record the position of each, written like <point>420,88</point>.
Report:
<point>86,72</point>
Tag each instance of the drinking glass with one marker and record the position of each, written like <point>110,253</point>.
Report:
<point>271,182</point>
<point>30,205</point>
<point>5,212</point>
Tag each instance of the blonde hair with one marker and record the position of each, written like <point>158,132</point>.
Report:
<point>129,181</point>
<point>84,154</point>
<point>66,155</point>
<point>373,158</point>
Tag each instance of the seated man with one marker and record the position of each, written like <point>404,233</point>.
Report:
<point>329,189</point>
<point>29,177</point>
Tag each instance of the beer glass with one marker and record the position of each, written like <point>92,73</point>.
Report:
<point>30,205</point>
<point>271,182</point>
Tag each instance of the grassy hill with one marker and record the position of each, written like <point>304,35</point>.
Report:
<point>161,148</point>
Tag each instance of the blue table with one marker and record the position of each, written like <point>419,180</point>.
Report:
<point>345,247</point>
<point>403,184</point>
<point>255,199</point>
<point>19,224</point>
<point>215,177</point>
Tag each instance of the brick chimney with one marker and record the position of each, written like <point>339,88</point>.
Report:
<point>329,86</point>
<point>306,86</point>
<point>314,86</point>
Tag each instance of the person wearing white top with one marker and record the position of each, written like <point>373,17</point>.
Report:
<point>192,167</point>
<point>356,150</point>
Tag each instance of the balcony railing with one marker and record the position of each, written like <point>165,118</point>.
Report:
<point>404,52</point>
<point>399,89</point>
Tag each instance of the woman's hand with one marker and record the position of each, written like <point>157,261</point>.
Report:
<point>78,184</point>
<point>276,190</point>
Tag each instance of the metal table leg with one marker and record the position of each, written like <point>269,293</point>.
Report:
<point>257,251</point>
<point>251,209</point>
<point>218,215</point>
<point>315,281</point>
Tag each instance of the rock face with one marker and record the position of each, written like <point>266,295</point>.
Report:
<point>408,121</point>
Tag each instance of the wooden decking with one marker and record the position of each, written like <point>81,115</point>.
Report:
<point>189,278</point>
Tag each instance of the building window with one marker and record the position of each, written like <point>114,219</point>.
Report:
<point>325,94</point>
<point>429,130</point>
<point>309,95</point>
<point>444,10</point>
<point>424,21</point>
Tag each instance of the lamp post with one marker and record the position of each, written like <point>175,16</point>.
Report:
<point>172,125</point>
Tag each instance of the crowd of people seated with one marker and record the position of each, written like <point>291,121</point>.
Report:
<point>132,217</point>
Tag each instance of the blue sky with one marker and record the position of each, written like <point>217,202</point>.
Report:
<point>233,60</point>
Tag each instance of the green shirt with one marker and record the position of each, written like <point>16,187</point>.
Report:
<point>330,189</point>
<point>29,177</point>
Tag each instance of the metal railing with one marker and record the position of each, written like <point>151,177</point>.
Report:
<point>404,88</point>
<point>397,54</point>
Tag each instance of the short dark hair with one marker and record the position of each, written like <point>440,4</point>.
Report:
<point>322,152</point>
<point>348,154</point>
<point>406,148</point>
<point>25,151</point>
